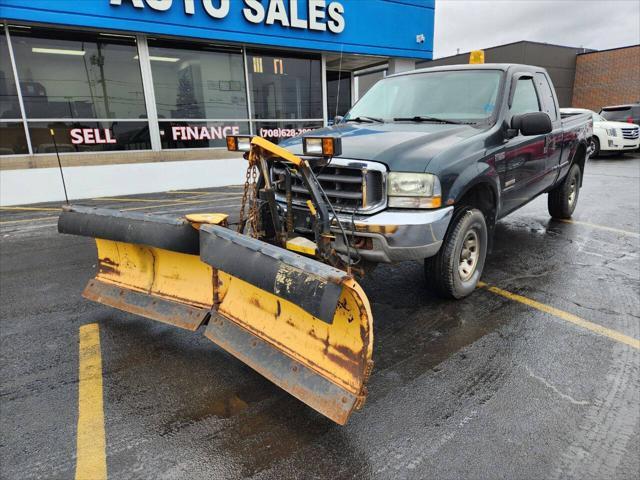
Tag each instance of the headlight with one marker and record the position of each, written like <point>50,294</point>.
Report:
<point>322,146</point>
<point>414,190</point>
<point>611,132</point>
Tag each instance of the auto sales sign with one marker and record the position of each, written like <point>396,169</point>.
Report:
<point>316,15</point>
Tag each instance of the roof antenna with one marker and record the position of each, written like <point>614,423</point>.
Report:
<point>55,145</point>
<point>339,79</point>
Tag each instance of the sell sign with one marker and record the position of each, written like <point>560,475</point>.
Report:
<point>92,136</point>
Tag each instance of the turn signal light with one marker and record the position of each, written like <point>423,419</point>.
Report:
<point>239,143</point>
<point>322,146</point>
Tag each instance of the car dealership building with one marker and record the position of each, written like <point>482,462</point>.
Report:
<point>140,93</point>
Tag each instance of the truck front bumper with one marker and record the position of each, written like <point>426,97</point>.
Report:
<point>396,234</point>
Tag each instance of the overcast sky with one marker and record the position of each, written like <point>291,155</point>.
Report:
<point>476,24</point>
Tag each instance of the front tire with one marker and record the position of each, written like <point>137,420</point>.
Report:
<point>455,270</point>
<point>563,199</point>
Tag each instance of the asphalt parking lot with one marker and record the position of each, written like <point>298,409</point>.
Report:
<point>536,375</point>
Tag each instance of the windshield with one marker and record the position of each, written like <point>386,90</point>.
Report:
<point>598,118</point>
<point>617,115</point>
<point>467,96</point>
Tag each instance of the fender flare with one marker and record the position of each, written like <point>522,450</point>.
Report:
<point>472,176</point>
<point>581,160</point>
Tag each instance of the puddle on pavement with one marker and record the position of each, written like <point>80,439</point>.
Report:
<point>221,405</point>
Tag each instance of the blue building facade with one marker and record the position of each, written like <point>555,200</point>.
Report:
<point>109,75</point>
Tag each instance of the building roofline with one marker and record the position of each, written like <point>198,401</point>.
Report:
<point>514,43</point>
<point>610,49</point>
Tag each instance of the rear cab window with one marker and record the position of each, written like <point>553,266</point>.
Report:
<point>548,101</point>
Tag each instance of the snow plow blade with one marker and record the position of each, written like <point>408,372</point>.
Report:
<point>302,324</point>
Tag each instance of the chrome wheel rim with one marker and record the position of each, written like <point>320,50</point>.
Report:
<point>469,255</point>
<point>573,190</point>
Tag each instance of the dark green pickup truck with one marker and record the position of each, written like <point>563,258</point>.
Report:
<point>432,158</point>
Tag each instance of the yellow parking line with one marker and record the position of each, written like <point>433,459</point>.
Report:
<point>28,220</point>
<point>193,202</point>
<point>145,207</point>
<point>196,192</point>
<point>91,460</point>
<point>566,316</point>
<point>601,227</point>
<point>137,200</point>
<point>31,209</point>
<point>185,201</point>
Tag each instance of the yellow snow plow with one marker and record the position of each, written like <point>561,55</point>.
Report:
<point>285,305</point>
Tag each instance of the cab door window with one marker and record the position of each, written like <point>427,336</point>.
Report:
<point>525,98</point>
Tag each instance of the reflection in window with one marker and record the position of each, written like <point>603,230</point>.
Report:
<point>89,136</point>
<point>9,106</point>
<point>200,82</point>
<point>12,139</point>
<point>368,80</point>
<point>338,93</point>
<point>78,75</point>
<point>459,95</point>
<point>525,98</point>
<point>284,87</point>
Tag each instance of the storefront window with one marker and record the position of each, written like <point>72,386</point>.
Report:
<point>368,80</point>
<point>12,139</point>
<point>81,136</point>
<point>9,106</point>
<point>180,134</point>
<point>198,82</point>
<point>78,75</point>
<point>284,87</point>
<point>88,88</point>
<point>338,93</point>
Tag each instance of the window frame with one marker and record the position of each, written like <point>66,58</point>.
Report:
<point>544,79</point>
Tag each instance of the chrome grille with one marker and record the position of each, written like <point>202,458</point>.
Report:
<point>350,185</point>
<point>630,133</point>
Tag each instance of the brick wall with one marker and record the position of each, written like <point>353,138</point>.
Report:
<point>610,77</point>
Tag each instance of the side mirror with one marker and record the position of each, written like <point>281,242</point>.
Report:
<point>337,119</point>
<point>533,123</point>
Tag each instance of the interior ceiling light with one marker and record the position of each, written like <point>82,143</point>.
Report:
<point>58,51</point>
<point>160,59</point>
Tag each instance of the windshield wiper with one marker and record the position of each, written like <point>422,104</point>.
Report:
<point>420,118</point>
<point>365,119</point>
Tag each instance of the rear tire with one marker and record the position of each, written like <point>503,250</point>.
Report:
<point>596,146</point>
<point>455,270</point>
<point>563,199</point>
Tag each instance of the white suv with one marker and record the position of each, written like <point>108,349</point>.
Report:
<point>609,137</point>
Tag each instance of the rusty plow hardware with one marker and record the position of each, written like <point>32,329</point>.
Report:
<point>301,323</point>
